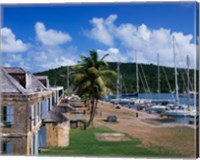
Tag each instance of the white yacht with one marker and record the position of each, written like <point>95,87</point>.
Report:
<point>180,112</point>
<point>177,112</point>
<point>158,108</point>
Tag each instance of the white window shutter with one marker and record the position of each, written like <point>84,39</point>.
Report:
<point>44,108</point>
<point>9,148</point>
<point>10,115</point>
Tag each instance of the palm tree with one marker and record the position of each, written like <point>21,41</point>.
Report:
<point>90,78</point>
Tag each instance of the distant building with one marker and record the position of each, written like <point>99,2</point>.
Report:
<point>25,101</point>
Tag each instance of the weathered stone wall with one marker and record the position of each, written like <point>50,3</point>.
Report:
<point>21,105</point>
<point>63,134</point>
<point>51,135</point>
<point>57,134</point>
<point>19,132</point>
<point>20,115</point>
<point>19,145</point>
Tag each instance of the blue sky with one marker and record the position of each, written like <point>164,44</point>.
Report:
<point>41,37</point>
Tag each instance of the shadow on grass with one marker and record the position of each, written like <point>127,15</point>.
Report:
<point>114,122</point>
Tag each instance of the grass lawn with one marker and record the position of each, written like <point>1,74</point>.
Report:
<point>84,143</point>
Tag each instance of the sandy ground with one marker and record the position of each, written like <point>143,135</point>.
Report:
<point>167,137</point>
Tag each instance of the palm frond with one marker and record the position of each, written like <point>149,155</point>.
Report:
<point>104,57</point>
<point>79,77</point>
<point>101,85</point>
<point>94,72</point>
<point>102,65</point>
<point>108,73</point>
<point>94,56</point>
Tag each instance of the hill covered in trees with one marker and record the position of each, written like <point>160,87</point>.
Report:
<point>58,77</point>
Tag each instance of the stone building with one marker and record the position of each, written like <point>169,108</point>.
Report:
<point>57,127</point>
<point>25,101</point>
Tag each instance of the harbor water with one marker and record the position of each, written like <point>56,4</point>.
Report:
<point>161,96</point>
<point>192,102</point>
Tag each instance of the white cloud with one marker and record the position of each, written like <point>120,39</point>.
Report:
<point>100,30</point>
<point>44,58</point>
<point>50,37</point>
<point>58,62</point>
<point>41,56</point>
<point>9,43</point>
<point>15,58</point>
<point>144,40</point>
<point>114,55</point>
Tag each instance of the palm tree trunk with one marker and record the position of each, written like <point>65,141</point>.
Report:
<point>93,110</point>
<point>88,104</point>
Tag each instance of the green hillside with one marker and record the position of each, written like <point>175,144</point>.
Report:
<point>58,77</point>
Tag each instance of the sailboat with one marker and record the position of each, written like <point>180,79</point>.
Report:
<point>135,94</point>
<point>116,100</point>
<point>122,98</point>
<point>159,105</point>
<point>137,78</point>
<point>189,93</point>
<point>178,110</point>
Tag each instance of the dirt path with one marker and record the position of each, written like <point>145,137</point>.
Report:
<point>166,137</point>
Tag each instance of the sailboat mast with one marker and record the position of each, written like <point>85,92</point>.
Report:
<point>118,80</point>
<point>67,77</point>
<point>158,74</point>
<point>188,80</point>
<point>137,76</point>
<point>176,74</point>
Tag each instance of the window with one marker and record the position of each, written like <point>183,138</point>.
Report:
<point>44,108</point>
<point>7,148</point>
<point>31,117</point>
<point>7,118</point>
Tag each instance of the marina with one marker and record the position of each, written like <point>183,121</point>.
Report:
<point>164,106</point>
<point>170,105</point>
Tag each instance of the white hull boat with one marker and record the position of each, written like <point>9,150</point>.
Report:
<point>123,100</point>
<point>157,108</point>
<point>179,112</point>
<point>142,101</point>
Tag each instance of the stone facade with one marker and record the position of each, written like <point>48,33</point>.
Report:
<point>57,134</point>
<point>19,144</point>
<point>23,108</point>
<point>22,131</point>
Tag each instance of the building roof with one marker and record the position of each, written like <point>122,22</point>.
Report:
<point>57,88</point>
<point>36,84</point>
<point>55,117</point>
<point>11,85</point>
<point>14,70</point>
<point>61,109</point>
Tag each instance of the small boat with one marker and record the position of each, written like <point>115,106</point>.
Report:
<point>115,100</point>
<point>193,113</point>
<point>142,101</point>
<point>194,118</point>
<point>191,94</point>
<point>180,112</point>
<point>158,108</point>
<point>123,101</point>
